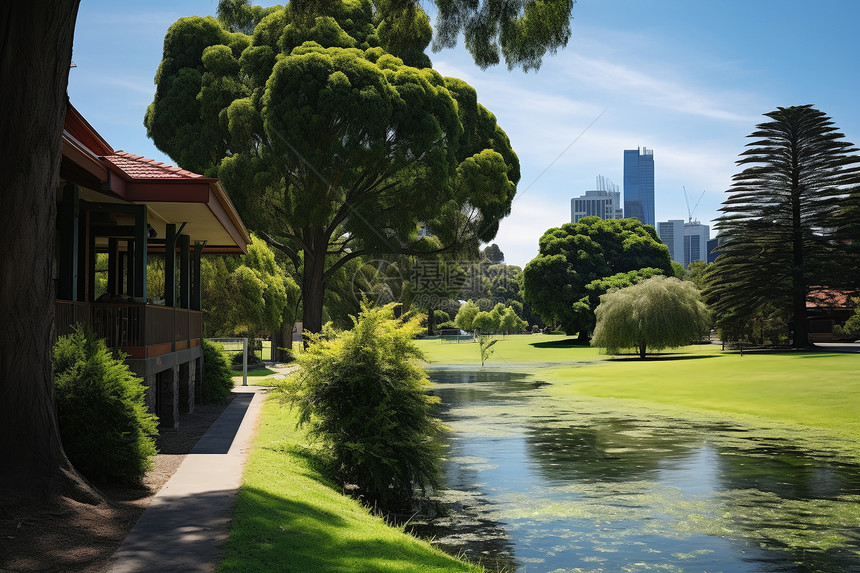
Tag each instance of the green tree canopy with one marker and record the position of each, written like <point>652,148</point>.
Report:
<point>466,316</point>
<point>781,220</point>
<point>330,143</point>
<point>564,282</point>
<point>657,313</point>
<point>520,31</point>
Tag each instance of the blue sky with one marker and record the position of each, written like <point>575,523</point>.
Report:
<point>688,79</point>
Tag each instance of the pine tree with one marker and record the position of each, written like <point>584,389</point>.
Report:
<point>780,220</point>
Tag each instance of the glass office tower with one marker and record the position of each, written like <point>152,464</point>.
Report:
<point>639,184</point>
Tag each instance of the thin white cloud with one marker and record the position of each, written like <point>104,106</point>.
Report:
<point>137,85</point>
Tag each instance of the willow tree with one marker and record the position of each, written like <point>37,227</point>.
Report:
<point>782,220</point>
<point>657,313</point>
<point>332,136</point>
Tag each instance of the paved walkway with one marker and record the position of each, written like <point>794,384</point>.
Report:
<point>186,524</point>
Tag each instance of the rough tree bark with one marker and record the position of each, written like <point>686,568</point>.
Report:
<point>35,54</point>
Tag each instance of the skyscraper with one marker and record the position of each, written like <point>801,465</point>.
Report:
<point>603,202</point>
<point>687,242</point>
<point>696,237</point>
<point>639,184</point>
<point>671,232</point>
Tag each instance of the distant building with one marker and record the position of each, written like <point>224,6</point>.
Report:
<point>639,184</point>
<point>696,237</point>
<point>712,245</point>
<point>672,234</point>
<point>603,202</point>
<point>687,242</point>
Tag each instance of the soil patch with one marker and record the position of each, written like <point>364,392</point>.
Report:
<point>70,536</point>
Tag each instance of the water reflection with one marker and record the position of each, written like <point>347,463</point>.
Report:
<point>538,485</point>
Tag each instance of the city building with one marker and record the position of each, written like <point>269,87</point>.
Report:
<point>639,184</point>
<point>712,246</point>
<point>672,234</point>
<point>603,202</point>
<point>696,237</point>
<point>687,242</point>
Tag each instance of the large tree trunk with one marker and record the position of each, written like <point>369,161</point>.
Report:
<point>35,54</point>
<point>313,285</point>
<point>798,266</point>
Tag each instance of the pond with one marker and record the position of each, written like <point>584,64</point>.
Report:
<point>535,484</point>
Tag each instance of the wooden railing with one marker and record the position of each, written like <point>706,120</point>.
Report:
<point>139,330</point>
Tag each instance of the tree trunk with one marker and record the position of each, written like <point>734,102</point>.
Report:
<point>642,347</point>
<point>798,280</point>
<point>313,285</point>
<point>35,55</point>
<point>282,338</point>
<point>431,320</point>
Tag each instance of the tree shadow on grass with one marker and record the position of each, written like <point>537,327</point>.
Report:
<point>659,357</point>
<point>566,343</point>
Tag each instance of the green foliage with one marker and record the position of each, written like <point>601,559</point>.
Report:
<point>485,347</point>
<point>246,294</point>
<point>657,313</point>
<point>363,394</point>
<point>783,221</point>
<point>851,328</point>
<point>510,322</point>
<point>330,143</point>
<point>485,322</point>
<point>107,432</point>
<point>696,272</point>
<point>217,374</point>
<point>521,32</point>
<point>466,316</point>
<point>578,262</point>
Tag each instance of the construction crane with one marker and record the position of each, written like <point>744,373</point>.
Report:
<point>693,210</point>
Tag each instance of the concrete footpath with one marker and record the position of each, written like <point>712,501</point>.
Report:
<point>187,523</point>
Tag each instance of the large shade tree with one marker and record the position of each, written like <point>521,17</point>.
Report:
<point>330,142</point>
<point>781,221</point>
<point>578,262</point>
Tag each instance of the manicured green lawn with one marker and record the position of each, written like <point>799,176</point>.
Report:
<point>290,519</point>
<point>820,390</point>
<point>517,349</point>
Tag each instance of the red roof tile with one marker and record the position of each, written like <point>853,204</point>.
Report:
<point>138,167</point>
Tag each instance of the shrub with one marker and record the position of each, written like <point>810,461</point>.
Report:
<point>217,374</point>
<point>363,394</point>
<point>107,432</point>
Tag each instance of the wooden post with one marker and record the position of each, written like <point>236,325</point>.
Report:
<point>141,235</point>
<point>114,268</point>
<point>170,266</point>
<point>67,246</point>
<point>196,283</point>
<point>184,271</point>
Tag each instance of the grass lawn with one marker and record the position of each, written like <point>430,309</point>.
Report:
<point>818,390</point>
<point>289,518</point>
